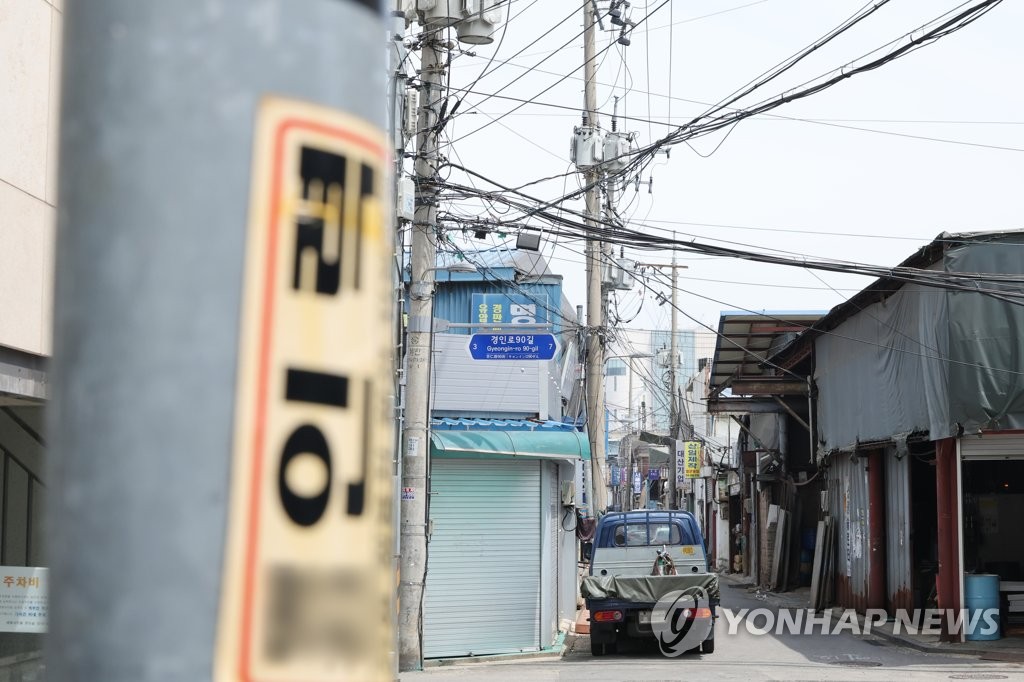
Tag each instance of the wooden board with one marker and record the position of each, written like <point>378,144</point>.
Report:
<point>819,553</point>
<point>830,564</point>
<point>779,548</point>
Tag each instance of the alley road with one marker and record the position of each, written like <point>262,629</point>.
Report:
<point>741,656</point>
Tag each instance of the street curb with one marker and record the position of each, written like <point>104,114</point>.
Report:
<point>556,651</point>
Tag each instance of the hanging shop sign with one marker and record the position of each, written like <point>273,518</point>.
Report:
<point>691,453</point>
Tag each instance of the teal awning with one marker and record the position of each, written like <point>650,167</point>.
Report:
<point>526,444</point>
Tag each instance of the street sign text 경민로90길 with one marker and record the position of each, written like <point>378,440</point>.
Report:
<point>512,346</point>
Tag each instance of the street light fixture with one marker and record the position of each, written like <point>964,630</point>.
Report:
<point>424,288</point>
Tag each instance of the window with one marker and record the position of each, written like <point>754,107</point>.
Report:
<point>653,534</point>
<point>665,534</point>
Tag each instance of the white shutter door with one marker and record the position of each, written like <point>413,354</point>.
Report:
<point>482,592</point>
<point>993,446</point>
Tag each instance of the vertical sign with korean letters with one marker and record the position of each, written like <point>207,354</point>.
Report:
<point>680,462</point>
<point>691,454</point>
<point>307,578</point>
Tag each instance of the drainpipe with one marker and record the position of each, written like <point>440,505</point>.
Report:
<point>810,421</point>
<point>876,531</point>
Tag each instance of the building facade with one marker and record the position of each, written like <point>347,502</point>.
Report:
<point>506,465</point>
<point>30,38</point>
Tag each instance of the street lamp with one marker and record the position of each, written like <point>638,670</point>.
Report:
<point>424,287</point>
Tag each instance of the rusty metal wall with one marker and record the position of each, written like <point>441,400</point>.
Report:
<point>898,554</point>
<point>848,505</point>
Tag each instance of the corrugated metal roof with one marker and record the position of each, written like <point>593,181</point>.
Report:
<point>882,288</point>
<point>746,340</point>
<point>467,424</point>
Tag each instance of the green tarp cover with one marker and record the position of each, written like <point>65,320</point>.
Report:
<point>647,589</point>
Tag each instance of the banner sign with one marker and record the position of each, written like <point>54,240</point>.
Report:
<point>307,585</point>
<point>637,482</point>
<point>506,309</point>
<point>691,449</point>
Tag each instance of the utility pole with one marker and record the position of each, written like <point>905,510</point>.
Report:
<point>220,439</point>
<point>416,440</point>
<point>673,410</point>
<point>673,422</point>
<point>595,291</point>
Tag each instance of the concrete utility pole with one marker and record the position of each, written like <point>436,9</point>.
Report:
<point>595,291</point>
<point>416,440</point>
<point>217,317</point>
<point>673,409</point>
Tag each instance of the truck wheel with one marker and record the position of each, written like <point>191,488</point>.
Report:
<point>708,647</point>
<point>596,649</point>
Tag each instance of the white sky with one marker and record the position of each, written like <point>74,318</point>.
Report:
<point>790,185</point>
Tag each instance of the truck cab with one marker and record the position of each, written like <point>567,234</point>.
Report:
<point>623,588</point>
<point>626,543</point>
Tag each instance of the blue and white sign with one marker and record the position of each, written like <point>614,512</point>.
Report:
<point>512,346</point>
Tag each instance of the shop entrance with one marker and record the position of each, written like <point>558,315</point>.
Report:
<point>993,506</point>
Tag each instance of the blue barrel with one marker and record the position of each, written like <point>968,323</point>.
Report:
<point>808,539</point>
<point>982,601</point>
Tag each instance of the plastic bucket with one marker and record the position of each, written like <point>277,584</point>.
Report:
<point>981,597</point>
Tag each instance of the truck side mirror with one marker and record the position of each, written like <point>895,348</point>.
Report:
<point>587,550</point>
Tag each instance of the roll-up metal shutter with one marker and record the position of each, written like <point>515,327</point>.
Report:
<point>992,446</point>
<point>482,593</point>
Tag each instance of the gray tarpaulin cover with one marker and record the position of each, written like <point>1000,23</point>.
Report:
<point>647,589</point>
<point>927,359</point>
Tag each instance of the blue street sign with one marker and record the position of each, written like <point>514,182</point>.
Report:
<point>504,346</point>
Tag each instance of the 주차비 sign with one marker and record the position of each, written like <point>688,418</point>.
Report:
<point>23,605</point>
<point>512,346</point>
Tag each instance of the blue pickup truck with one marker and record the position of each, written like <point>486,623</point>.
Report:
<point>641,561</point>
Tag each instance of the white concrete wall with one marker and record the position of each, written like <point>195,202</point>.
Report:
<point>30,37</point>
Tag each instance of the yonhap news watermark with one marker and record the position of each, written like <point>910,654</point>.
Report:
<point>765,621</point>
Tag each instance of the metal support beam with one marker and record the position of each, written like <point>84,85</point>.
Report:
<point>768,387</point>
<point>742,406</point>
<point>792,413</point>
